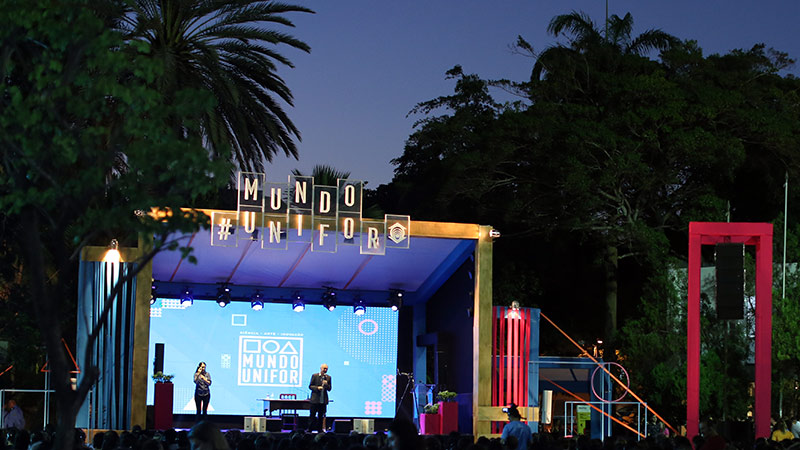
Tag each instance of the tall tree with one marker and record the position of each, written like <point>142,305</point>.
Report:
<point>225,47</point>
<point>611,150</point>
<point>86,143</point>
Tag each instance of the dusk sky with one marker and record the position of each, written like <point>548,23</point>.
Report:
<point>372,61</point>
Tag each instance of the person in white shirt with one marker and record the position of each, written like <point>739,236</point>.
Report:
<point>796,428</point>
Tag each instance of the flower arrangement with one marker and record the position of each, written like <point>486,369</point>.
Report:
<point>446,396</point>
<point>431,408</point>
<point>161,377</point>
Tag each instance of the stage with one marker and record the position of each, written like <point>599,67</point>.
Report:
<point>380,348</point>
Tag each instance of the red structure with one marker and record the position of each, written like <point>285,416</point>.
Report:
<point>711,233</point>
<point>162,405</point>
<point>511,337</point>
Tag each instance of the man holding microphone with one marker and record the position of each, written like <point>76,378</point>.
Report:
<point>320,385</point>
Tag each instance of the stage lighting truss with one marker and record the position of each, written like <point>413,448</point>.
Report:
<point>153,292</point>
<point>298,305</point>
<point>358,307</point>
<point>223,295</point>
<point>187,299</point>
<point>329,299</point>
<point>257,301</point>
<point>395,299</point>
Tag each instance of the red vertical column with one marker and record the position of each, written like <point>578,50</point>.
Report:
<point>693,337</point>
<point>501,344</point>
<point>509,357</point>
<point>515,355</point>
<point>526,357</point>
<point>763,350</point>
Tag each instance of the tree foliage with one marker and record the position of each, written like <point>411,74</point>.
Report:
<point>226,48</point>
<point>594,174</point>
<point>87,142</point>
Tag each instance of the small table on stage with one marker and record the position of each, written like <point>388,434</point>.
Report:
<point>273,404</point>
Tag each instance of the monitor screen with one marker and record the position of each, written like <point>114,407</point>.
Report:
<point>254,355</point>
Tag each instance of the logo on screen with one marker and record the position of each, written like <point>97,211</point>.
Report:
<point>270,361</point>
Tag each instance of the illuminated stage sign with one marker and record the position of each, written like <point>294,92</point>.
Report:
<point>274,214</point>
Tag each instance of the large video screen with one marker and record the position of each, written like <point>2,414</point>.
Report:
<point>253,355</point>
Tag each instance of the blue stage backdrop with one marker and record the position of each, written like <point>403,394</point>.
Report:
<point>253,355</point>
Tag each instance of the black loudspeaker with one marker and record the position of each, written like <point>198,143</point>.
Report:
<point>274,425</point>
<point>158,362</point>
<point>342,426</point>
<point>730,281</point>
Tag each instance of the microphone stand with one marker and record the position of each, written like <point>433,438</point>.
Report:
<point>409,387</point>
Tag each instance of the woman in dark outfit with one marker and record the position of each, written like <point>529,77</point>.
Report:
<point>202,394</point>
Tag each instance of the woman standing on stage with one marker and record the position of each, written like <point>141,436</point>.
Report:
<point>202,394</point>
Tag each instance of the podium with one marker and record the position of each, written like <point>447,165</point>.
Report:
<point>162,406</point>
<point>449,413</point>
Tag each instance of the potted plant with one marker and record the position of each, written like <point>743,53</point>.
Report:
<point>429,420</point>
<point>448,410</point>
<point>161,377</point>
<point>162,400</point>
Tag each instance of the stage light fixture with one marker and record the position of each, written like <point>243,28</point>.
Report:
<point>223,295</point>
<point>257,302</point>
<point>329,299</point>
<point>187,299</point>
<point>395,299</point>
<point>513,312</point>
<point>153,292</point>
<point>112,255</point>
<point>298,305</point>
<point>358,307</point>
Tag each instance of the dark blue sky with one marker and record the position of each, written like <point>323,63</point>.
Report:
<point>372,61</point>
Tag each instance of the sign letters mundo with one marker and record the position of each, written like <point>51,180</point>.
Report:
<point>326,217</point>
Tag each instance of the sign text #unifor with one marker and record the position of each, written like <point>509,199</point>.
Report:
<point>274,214</point>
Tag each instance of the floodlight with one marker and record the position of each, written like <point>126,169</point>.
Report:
<point>112,255</point>
<point>298,305</point>
<point>329,299</point>
<point>153,292</point>
<point>395,299</point>
<point>358,307</point>
<point>187,299</point>
<point>257,302</point>
<point>223,295</point>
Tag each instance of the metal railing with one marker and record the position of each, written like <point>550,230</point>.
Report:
<point>605,422</point>
<point>46,393</point>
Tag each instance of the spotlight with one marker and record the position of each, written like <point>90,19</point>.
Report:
<point>395,299</point>
<point>257,302</point>
<point>223,295</point>
<point>112,255</point>
<point>298,305</point>
<point>329,299</point>
<point>513,312</point>
<point>358,307</point>
<point>186,298</point>
<point>153,293</point>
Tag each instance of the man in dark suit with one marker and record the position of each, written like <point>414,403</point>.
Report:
<point>320,385</point>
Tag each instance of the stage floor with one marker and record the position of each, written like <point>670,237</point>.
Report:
<point>235,422</point>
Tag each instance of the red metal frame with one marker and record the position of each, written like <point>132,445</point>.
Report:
<point>710,233</point>
<point>511,336</point>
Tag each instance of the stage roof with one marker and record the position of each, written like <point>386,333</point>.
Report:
<point>435,251</point>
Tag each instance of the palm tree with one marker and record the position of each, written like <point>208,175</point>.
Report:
<point>224,47</point>
<point>328,176</point>
<point>324,174</point>
<point>585,36</point>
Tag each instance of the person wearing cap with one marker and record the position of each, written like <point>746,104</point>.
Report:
<point>516,428</point>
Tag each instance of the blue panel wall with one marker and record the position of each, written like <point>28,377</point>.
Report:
<point>108,405</point>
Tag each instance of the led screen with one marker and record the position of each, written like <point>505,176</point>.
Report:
<point>252,355</point>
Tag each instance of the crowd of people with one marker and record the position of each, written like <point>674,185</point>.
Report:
<point>401,435</point>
